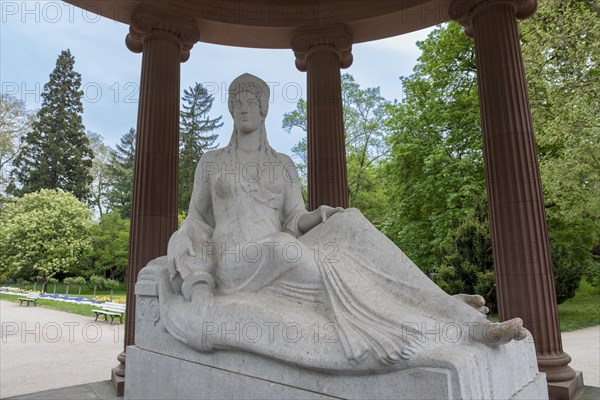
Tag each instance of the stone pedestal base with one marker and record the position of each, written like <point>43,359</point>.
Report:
<point>118,382</point>
<point>566,390</point>
<point>160,376</point>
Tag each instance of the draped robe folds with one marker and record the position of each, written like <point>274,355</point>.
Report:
<point>244,221</point>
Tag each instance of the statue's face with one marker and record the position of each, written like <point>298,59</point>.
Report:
<point>246,112</point>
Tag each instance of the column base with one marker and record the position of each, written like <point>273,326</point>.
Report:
<point>118,382</point>
<point>566,390</point>
<point>556,366</point>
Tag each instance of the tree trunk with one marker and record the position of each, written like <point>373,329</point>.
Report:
<point>79,291</point>
<point>67,292</point>
<point>111,294</point>
<point>54,292</point>
<point>95,290</point>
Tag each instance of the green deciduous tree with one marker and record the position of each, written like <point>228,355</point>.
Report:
<point>108,254</point>
<point>297,118</point>
<point>15,122</point>
<point>121,174</point>
<point>435,172</point>
<point>366,113</point>
<point>53,281</point>
<point>111,284</point>
<point>56,153</point>
<point>101,171</point>
<point>68,281</point>
<point>561,49</point>
<point>97,282</point>
<point>79,281</point>
<point>365,116</point>
<point>43,234</point>
<point>195,137</point>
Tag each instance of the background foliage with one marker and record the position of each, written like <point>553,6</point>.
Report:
<point>55,153</point>
<point>435,175</point>
<point>365,114</point>
<point>43,234</point>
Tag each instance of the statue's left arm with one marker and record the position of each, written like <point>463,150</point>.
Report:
<point>298,221</point>
<point>293,204</point>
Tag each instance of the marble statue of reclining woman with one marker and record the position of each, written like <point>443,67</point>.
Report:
<point>322,289</point>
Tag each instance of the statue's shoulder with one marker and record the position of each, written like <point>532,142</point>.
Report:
<point>212,155</point>
<point>208,159</point>
<point>288,166</point>
<point>285,159</point>
<point>210,163</point>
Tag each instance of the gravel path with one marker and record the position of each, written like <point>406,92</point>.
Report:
<point>584,348</point>
<point>43,349</point>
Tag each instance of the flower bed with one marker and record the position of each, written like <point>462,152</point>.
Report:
<point>61,297</point>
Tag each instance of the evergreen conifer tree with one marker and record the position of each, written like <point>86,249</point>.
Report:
<point>121,172</point>
<point>56,153</point>
<point>195,137</point>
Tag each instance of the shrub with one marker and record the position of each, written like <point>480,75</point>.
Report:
<point>97,282</point>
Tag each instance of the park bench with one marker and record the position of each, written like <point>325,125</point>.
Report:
<point>30,298</point>
<point>112,310</point>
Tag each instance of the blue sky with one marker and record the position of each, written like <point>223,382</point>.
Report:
<point>32,34</point>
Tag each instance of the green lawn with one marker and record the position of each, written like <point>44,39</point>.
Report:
<point>73,308</point>
<point>581,311</point>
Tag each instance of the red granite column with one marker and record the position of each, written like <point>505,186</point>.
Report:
<point>321,51</point>
<point>165,42</point>
<point>524,276</point>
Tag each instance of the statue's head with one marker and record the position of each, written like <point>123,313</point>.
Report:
<point>248,86</point>
<point>248,104</point>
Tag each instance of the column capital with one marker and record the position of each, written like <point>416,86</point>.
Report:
<point>146,22</point>
<point>336,38</point>
<point>463,11</point>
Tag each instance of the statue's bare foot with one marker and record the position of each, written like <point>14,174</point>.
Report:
<point>503,332</point>
<point>474,300</point>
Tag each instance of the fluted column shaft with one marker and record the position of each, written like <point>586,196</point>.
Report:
<point>524,276</point>
<point>154,196</point>
<point>327,177</point>
<point>165,42</point>
<point>321,52</point>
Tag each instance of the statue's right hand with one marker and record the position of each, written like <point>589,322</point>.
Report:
<point>179,250</point>
<point>189,247</point>
<point>186,250</point>
<point>327,211</point>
